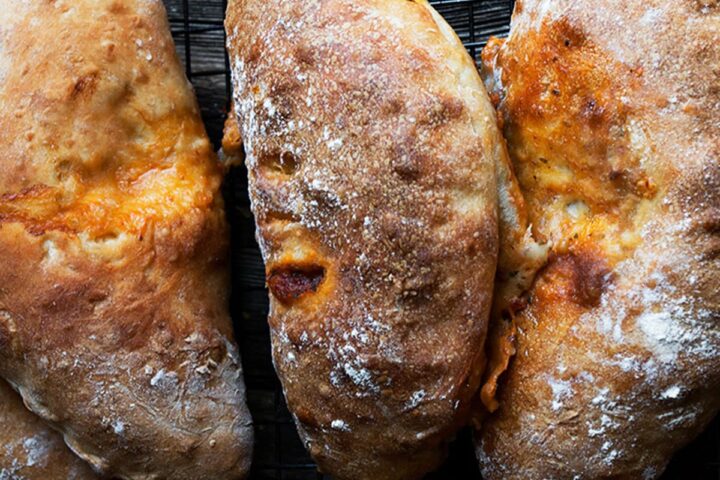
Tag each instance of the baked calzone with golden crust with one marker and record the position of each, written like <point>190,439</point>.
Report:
<point>113,283</point>
<point>611,110</point>
<point>371,148</point>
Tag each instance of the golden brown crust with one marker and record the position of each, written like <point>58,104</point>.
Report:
<point>232,153</point>
<point>113,318</point>
<point>29,449</point>
<point>371,148</point>
<point>610,110</point>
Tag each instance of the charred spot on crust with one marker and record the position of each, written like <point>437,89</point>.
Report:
<point>5,319</point>
<point>305,54</point>
<point>451,108</point>
<point>63,169</point>
<point>444,109</point>
<point>571,35</point>
<point>634,181</point>
<point>217,353</point>
<point>288,283</point>
<point>419,286</point>
<point>588,277</point>
<point>517,304</point>
<point>593,113</point>
<point>254,51</point>
<point>281,216</point>
<point>407,160</point>
<point>284,162</point>
<point>117,7</point>
<point>406,167</point>
<point>709,224</point>
<point>590,282</point>
<point>86,83</point>
<point>710,221</point>
<point>617,175</point>
<point>393,106</point>
<point>306,416</point>
<point>706,6</point>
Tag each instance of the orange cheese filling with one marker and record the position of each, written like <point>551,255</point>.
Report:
<point>144,183</point>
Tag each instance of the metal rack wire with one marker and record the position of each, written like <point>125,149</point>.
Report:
<point>197,27</point>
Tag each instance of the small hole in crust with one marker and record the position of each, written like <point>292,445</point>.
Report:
<point>288,283</point>
<point>286,163</point>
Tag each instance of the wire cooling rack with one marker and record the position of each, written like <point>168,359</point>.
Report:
<point>197,27</point>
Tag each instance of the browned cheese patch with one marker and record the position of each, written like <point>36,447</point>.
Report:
<point>573,141</point>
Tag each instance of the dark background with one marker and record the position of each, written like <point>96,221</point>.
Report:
<point>198,31</point>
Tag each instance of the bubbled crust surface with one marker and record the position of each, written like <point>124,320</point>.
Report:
<point>611,114</point>
<point>371,147</point>
<point>29,449</point>
<point>113,287</point>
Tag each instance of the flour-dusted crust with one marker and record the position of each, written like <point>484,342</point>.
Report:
<point>611,110</point>
<point>29,449</point>
<point>113,285</point>
<point>371,148</point>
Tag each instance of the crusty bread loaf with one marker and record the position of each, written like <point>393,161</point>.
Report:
<point>29,449</point>
<point>113,281</point>
<point>371,148</point>
<point>611,110</point>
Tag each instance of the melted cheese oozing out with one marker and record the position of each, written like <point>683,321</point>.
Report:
<point>143,183</point>
<point>578,153</point>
